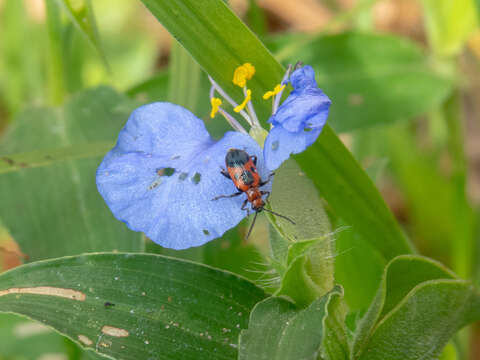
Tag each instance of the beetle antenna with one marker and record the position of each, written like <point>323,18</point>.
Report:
<point>251,226</point>
<point>282,216</point>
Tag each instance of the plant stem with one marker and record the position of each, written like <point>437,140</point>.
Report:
<point>56,83</point>
<point>184,78</point>
<point>463,246</point>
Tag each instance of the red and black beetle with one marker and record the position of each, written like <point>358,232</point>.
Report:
<point>242,170</point>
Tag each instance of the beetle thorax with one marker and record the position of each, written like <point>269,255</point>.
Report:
<point>255,197</point>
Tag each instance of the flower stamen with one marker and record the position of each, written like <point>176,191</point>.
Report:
<point>250,109</point>
<point>215,102</point>
<point>248,97</point>
<point>216,87</point>
<point>273,92</point>
<point>278,96</point>
<point>242,74</point>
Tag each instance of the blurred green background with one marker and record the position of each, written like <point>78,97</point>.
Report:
<point>403,75</point>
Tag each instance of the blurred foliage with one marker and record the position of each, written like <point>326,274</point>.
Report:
<point>404,78</point>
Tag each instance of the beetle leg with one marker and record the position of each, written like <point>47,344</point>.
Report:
<point>225,173</point>
<point>268,179</point>
<point>228,196</point>
<point>244,207</point>
<point>254,159</point>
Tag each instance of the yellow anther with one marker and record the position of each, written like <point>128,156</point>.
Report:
<point>216,102</point>
<point>245,102</point>
<point>274,92</point>
<point>242,74</point>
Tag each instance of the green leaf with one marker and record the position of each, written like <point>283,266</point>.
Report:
<point>358,268</point>
<point>25,339</point>
<point>81,14</point>
<point>134,306</point>
<point>152,89</point>
<point>278,330</point>
<point>48,157</point>
<point>308,269</point>
<point>44,206</point>
<point>56,61</point>
<point>23,64</point>
<point>420,304</point>
<point>184,78</point>
<point>423,323</point>
<point>210,24</point>
<point>335,345</point>
<point>396,84</point>
<point>352,194</point>
<point>449,23</point>
<point>220,42</point>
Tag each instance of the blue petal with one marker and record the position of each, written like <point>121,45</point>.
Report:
<point>303,78</point>
<point>306,107</point>
<point>164,172</point>
<point>280,143</point>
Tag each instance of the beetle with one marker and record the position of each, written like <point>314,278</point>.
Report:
<point>242,170</point>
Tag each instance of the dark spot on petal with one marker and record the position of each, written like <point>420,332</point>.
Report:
<point>165,171</point>
<point>275,145</point>
<point>307,129</point>
<point>196,178</point>
<point>175,157</point>
<point>154,184</point>
<point>206,232</point>
<point>182,176</point>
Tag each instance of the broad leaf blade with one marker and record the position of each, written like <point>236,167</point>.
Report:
<point>278,330</point>
<point>420,297</point>
<point>424,321</point>
<point>44,206</point>
<point>48,157</point>
<point>138,307</point>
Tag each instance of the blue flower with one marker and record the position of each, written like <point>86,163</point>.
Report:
<point>164,172</point>
<point>298,121</point>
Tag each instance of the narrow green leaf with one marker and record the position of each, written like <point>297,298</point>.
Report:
<point>352,194</point>
<point>219,42</point>
<point>396,84</point>
<point>82,15</point>
<point>49,157</point>
<point>184,78</point>
<point>420,304</point>
<point>56,64</point>
<point>138,306</point>
<point>43,206</point>
<point>278,330</point>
